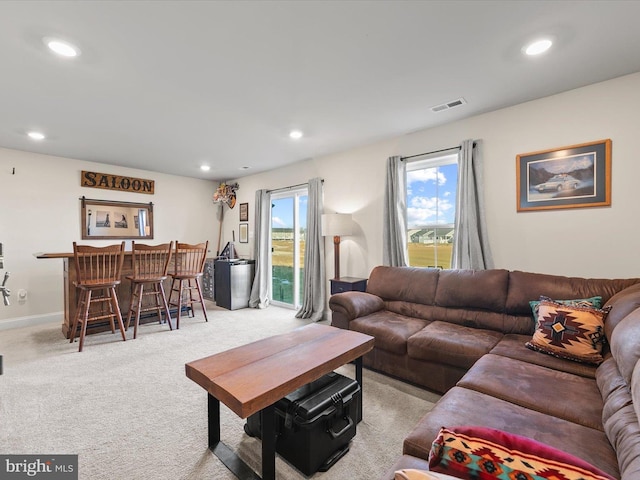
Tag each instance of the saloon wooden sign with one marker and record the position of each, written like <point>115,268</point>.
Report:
<point>116,182</point>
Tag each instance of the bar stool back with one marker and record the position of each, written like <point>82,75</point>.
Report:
<point>150,266</point>
<point>98,274</point>
<point>188,263</point>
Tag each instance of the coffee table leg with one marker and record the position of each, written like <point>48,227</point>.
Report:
<point>269,443</point>
<point>214,420</point>
<point>227,456</point>
<point>358,362</point>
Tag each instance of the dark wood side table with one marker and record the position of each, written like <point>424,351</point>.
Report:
<point>348,284</point>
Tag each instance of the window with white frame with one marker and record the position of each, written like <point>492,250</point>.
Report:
<point>432,184</point>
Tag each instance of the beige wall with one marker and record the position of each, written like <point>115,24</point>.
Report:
<point>39,206</point>
<point>589,242</point>
<point>40,212</point>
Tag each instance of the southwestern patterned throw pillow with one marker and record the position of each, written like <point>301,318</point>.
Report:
<point>571,332</point>
<point>592,302</point>
<point>478,453</point>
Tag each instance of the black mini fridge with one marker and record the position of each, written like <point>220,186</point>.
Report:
<point>315,423</point>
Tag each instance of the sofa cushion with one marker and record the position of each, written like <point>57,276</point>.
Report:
<point>473,289</point>
<point>619,418</point>
<point>625,344</point>
<point>390,330</point>
<point>451,344</point>
<point>435,377</point>
<point>622,304</point>
<point>567,396</point>
<point>417,285</point>
<point>477,452</point>
<point>574,333</point>
<point>628,439</point>
<point>513,346</point>
<point>461,406</point>
<point>526,286</point>
<point>485,319</point>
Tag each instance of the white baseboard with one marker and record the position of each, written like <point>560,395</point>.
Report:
<point>55,317</point>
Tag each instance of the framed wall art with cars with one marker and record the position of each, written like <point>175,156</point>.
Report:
<point>567,177</point>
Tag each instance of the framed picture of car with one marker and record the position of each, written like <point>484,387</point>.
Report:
<point>568,177</point>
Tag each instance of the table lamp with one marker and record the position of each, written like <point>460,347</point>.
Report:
<point>336,224</point>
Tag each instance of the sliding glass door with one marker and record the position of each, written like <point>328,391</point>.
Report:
<point>288,231</point>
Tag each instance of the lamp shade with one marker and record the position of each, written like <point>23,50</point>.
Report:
<point>336,224</point>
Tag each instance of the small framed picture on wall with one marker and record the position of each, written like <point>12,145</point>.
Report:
<point>244,212</point>
<point>244,233</point>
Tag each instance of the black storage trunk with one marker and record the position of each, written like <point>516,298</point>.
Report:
<point>315,423</point>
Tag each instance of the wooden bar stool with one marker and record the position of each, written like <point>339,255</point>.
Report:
<point>150,265</point>
<point>188,263</point>
<point>98,274</point>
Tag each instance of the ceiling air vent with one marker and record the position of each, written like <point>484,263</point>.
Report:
<point>446,106</point>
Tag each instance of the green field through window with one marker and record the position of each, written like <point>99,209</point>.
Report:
<point>282,271</point>
<point>424,255</point>
<point>282,284</point>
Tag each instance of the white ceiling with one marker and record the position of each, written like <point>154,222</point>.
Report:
<point>169,85</point>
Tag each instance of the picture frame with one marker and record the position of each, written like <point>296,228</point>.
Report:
<point>568,177</point>
<point>244,212</point>
<point>244,233</point>
<point>108,220</point>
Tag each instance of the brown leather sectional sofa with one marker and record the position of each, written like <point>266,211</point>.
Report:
<point>463,333</point>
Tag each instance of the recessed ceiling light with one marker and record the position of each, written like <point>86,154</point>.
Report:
<point>295,134</point>
<point>36,135</point>
<point>205,168</point>
<point>62,48</point>
<point>538,47</point>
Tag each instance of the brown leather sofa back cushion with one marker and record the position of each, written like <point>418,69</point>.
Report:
<point>479,289</point>
<point>495,290</point>
<point>494,299</point>
<point>526,286</point>
<point>417,285</point>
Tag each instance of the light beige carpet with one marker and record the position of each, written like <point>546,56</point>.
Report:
<point>128,410</point>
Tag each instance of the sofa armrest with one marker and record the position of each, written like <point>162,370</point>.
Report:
<point>347,306</point>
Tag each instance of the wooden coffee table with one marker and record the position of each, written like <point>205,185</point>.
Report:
<point>254,377</point>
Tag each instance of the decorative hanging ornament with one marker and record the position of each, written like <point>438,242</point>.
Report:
<point>226,194</point>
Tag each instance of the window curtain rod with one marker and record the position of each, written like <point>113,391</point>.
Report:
<point>431,153</point>
<point>291,186</point>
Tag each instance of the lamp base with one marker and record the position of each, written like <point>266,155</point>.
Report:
<point>336,256</point>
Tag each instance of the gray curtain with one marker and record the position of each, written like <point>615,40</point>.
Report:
<point>471,245</point>
<point>394,243</point>
<point>260,289</point>
<point>315,291</point>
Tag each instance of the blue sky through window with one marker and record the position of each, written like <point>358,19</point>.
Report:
<point>282,212</point>
<point>431,195</point>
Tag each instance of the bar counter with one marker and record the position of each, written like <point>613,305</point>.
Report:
<point>124,290</point>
